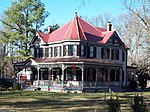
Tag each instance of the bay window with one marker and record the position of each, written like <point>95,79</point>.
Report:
<point>51,52</point>
<point>56,51</point>
<point>46,52</point>
<point>70,50</point>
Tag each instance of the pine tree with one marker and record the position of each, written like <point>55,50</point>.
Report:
<point>20,21</point>
<point>19,24</point>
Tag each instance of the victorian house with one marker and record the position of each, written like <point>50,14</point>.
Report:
<point>78,56</point>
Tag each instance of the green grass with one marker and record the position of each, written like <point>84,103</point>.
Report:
<point>40,101</point>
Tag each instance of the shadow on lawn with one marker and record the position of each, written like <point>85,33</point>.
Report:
<point>54,104</point>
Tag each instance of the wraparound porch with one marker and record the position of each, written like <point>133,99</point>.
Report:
<point>77,76</point>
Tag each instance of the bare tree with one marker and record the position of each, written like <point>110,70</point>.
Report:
<point>141,9</point>
<point>134,28</point>
<point>99,20</point>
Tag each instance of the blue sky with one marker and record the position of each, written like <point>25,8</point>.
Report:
<point>62,11</point>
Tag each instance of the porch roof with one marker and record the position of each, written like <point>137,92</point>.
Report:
<point>73,59</point>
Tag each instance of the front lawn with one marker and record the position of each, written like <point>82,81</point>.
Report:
<point>40,101</point>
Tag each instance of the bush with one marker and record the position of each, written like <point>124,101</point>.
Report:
<point>16,86</point>
<point>133,85</point>
<point>138,104</point>
<point>113,105</point>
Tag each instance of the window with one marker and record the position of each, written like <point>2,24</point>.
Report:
<point>115,54</point>
<point>83,50</point>
<point>115,75</point>
<point>75,50</point>
<point>105,53</point>
<point>70,50</point>
<point>46,52</point>
<point>51,52</point>
<point>38,52</point>
<point>65,50</point>
<point>91,51</point>
<point>55,51</point>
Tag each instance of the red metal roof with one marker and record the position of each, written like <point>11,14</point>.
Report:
<point>43,36</point>
<point>106,36</point>
<point>78,29</point>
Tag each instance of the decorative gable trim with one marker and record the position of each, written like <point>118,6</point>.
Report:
<point>115,40</point>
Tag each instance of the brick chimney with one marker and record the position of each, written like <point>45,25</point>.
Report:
<point>109,25</point>
<point>49,29</point>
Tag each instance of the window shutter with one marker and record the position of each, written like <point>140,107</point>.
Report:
<point>64,50</point>
<point>94,52</point>
<point>85,50</point>
<point>60,51</point>
<point>35,52</point>
<point>123,56</point>
<point>40,52</point>
<point>51,51</point>
<point>112,53</point>
<point>108,53</point>
<point>78,50</point>
<point>102,53</point>
<point>117,55</point>
<point>88,51</point>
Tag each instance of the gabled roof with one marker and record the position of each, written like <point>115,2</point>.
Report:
<point>43,36</point>
<point>78,29</point>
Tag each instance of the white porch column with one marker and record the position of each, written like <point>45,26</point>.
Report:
<point>96,77</point>
<point>62,76</point>
<point>109,70</point>
<point>38,74</point>
<point>120,77</point>
<point>82,77</point>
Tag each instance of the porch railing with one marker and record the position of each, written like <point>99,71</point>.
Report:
<point>74,84</point>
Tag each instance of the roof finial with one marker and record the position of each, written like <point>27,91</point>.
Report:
<point>75,15</point>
